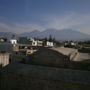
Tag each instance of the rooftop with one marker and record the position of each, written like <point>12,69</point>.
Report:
<point>51,73</point>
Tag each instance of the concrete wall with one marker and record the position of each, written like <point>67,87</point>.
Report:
<point>30,77</point>
<point>73,54</point>
<point>4,59</point>
<point>70,52</point>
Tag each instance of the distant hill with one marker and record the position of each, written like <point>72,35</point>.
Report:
<point>7,34</point>
<point>65,34</point>
<point>34,33</point>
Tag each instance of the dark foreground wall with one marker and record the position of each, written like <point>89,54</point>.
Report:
<point>29,77</point>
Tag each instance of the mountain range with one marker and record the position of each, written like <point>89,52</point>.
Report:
<point>65,34</point>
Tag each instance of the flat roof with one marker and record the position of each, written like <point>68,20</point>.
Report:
<point>65,51</point>
<point>51,73</point>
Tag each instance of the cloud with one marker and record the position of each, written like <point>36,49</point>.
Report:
<point>19,27</point>
<point>72,20</point>
<point>68,21</point>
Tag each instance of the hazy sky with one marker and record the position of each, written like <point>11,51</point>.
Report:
<point>27,15</point>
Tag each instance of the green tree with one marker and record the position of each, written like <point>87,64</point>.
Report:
<point>50,38</point>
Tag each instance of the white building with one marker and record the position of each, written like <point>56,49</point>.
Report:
<point>13,41</point>
<point>37,43</point>
<point>34,43</point>
<point>49,44</point>
<point>73,44</point>
<point>1,40</point>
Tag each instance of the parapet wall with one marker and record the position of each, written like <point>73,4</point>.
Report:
<point>30,77</point>
<point>73,54</point>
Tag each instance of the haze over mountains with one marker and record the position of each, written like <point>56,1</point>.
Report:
<point>7,34</point>
<point>65,34</point>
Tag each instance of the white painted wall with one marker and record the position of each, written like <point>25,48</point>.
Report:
<point>34,43</point>
<point>49,44</point>
<point>37,43</point>
<point>13,41</point>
